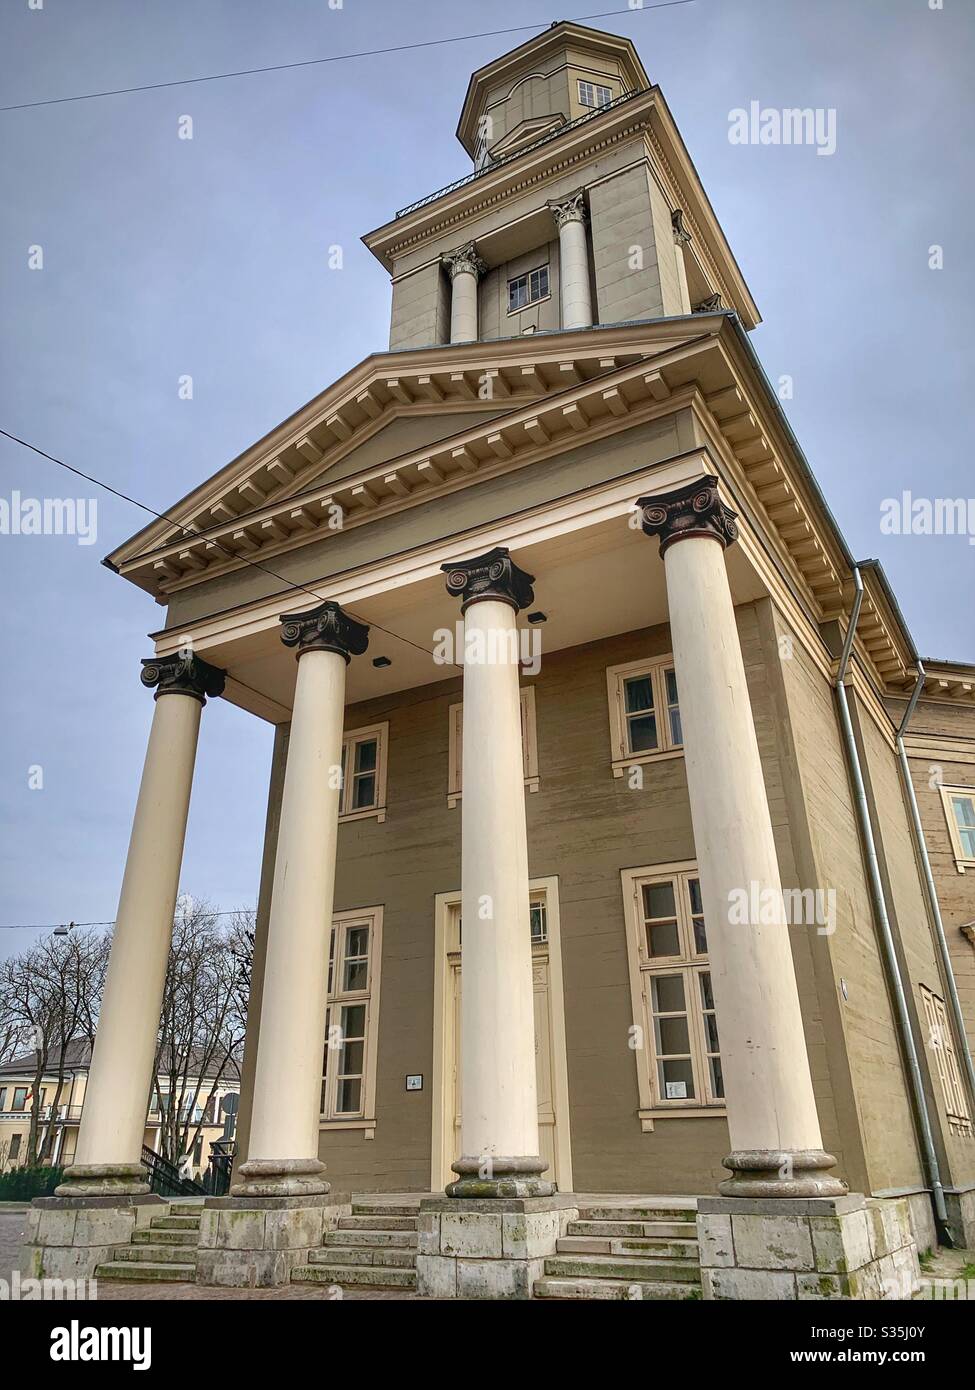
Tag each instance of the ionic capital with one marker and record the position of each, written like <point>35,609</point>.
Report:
<point>570,209</point>
<point>693,510</point>
<point>491,576</point>
<point>326,628</point>
<point>183,675</point>
<point>464,261</point>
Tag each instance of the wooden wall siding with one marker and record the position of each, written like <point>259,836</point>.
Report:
<point>584,826</point>
<point>880,1102</point>
<point>449,515</point>
<point>919,959</point>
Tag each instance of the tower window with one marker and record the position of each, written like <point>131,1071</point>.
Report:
<point>528,289</point>
<point>591,94</point>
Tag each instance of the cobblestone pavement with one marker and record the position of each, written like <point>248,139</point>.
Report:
<point>109,1290</point>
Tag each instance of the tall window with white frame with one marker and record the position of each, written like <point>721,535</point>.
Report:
<point>364,773</point>
<point>679,1050</point>
<point>644,712</point>
<point>348,1071</point>
<point>959,804</point>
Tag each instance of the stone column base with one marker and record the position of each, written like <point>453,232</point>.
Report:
<point>490,1247</point>
<point>68,1237</point>
<point>806,1248</point>
<point>255,1242</point>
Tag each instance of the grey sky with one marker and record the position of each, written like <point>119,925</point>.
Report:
<point>208,257</point>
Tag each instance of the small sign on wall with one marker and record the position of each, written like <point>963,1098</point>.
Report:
<point>676,1090</point>
<point>414,1083</point>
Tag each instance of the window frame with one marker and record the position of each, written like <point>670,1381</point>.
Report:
<point>21,1109</point>
<point>691,965</point>
<point>379,732</point>
<point>594,87</point>
<point>540,298</point>
<point>962,860</point>
<point>656,667</point>
<point>338,998</point>
<point>942,1043</point>
<point>529,746</point>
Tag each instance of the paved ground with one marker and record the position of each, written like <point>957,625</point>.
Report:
<point>11,1232</point>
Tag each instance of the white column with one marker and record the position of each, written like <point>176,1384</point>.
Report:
<point>283,1149</point>
<point>500,1112</point>
<point>464,267</point>
<point>575,292</point>
<point>775,1135</point>
<point>109,1150</point>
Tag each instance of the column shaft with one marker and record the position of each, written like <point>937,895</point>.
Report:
<point>107,1159</point>
<point>288,1075</point>
<point>500,1112</point>
<point>463,307</point>
<point>775,1134</point>
<point>576,295</point>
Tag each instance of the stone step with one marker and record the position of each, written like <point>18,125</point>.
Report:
<point>679,1230</point>
<point>627,1267</point>
<point>376,1277</point>
<point>186,1208</point>
<point>147,1273</point>
<point>622,1289</point>
<point>157,1254</point>
<point>377,1223</point>
<point>145,1236</point>
<point>385,1208</point>
<point>654,1248</point>
<point>402,1240</point>
<point>175,1223</point>
<point>670,1214</point>
<point>381,1255</point>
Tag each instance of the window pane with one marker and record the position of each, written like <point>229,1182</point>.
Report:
<point>658,900</point>
<point>717,1080</point>
<point>671,679</point>
<point>357,942</point>
<point>964,810</point>
<point>663,939</point>
<point>676,1077</point>
<point>643,733</point>
<point>707,994</point>
<point>354,1021</point>
<point>639,694</point>
<point>672,1036</point>
<point>356,974</point>
<point>349,1092</point>
<point>667,994</point>
<point>365,755</point>
<point>364,792</point>
<point>352,1057</point>
<point>700,937</point>
<point>539,926</point>
<point>711,1033</point>
<point>676,728</point>
<point>968,843</point>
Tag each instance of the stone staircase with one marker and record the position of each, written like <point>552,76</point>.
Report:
<point>626,1252</point>
<point>375,1247</point>
<point>162,1252</point>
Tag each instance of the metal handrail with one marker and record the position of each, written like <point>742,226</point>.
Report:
<point>165,1179</point>
<point>524,149</point>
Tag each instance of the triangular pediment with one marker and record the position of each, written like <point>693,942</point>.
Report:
<point>399,429</point>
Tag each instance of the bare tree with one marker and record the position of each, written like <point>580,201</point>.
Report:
<point>201,1030</point>
<point>50,995</point>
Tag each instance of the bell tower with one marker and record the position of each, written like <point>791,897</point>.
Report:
<point>582,208</point>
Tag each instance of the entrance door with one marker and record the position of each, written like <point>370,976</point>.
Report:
<point>549,1046</point>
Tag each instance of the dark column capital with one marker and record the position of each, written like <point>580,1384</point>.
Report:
<point>183,675</point>
<point>326,628</point>
<point>693,510</point>
<point>491,576</point>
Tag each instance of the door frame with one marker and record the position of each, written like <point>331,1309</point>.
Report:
<point>442,1126</point>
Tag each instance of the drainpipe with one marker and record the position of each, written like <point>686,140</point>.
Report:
<point>958,1017</point>
<point>883,921</point>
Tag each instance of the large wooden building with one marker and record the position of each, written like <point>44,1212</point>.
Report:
<point>528,746</point>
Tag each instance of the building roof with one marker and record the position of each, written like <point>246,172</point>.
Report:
<point>77,1057</point>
